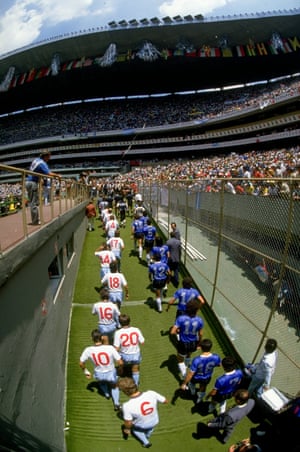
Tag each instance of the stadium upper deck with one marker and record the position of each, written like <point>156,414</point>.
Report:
<point>142,57</point>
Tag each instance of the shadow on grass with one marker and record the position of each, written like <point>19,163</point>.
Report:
<point>203,431</point>
<point>172,366</point>
<point>151,303</point>
<point>94,385</point>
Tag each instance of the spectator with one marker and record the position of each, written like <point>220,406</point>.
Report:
<point>174,257</point>
<point>90,213</point>
<point>264,370</point>
<point>40,166</point>
<point>229,419</point>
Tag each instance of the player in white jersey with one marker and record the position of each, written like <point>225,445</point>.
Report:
<point>140,413</point>
<point>111,226</point>
<point>116,284</point>
<point>116,245</point>
<point>108,317</point>
<point>104,359</point>
<point>106,257</point>
<point>127,341</point>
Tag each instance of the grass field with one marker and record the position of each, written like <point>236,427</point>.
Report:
<point>93,424</point>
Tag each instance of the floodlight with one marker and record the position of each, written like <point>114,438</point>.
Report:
<point>167,20</point>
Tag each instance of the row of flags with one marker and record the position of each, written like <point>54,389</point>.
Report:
<point>252,49</point>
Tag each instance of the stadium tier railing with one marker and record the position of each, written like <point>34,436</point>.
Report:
<point>56,196</point>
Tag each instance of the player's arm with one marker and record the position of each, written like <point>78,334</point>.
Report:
<point>85,370</point>
<point>174,330</point>
<point>170,302</point>
<point>187,379</point>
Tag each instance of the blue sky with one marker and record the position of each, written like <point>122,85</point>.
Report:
<point>23,22</point>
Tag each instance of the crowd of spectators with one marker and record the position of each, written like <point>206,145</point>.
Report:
<point>262,173</point>
<point>126,114</point>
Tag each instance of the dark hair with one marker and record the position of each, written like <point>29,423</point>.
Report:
<point>96,336</point>
<point>271,345</point>
<point>124,319</point>
<point>206,345</point>
<point>113,267</point>
<point>228,363</point>
<point>104,294</point>
<point>192,307</point>
<point>158,241</point>
<point>187,282</point>
<point>241,396</point>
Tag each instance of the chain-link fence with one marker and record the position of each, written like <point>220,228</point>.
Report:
<point>243,252</point>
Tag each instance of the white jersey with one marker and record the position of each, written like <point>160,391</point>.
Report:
<point>142,410</point>
<point>108,313</point>
<point>102,356</point>
<point>111,227</point>
<point>114,282</point>
<point>116,245</point>
<point>127,340</point>
<point>106,257</point>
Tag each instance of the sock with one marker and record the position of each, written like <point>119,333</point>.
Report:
<point>136,377</point>
<point>182,369</point>
<point>140,252</point>
<point>115,394</point>
<point>192,388</point>
<point>187,361</point>
<point>223,407</point>
<point>158,302</point>
<point>200,396</point>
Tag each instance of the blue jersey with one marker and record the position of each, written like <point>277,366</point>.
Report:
<point>38,166</point>
<point>149,232</point>
<point>138,226</point>
<point>203,366</point>
<point>189,328</point>
<point>229,382</point>
<point>159,271</point>
<point>162,251</point>
<point>184,296</point>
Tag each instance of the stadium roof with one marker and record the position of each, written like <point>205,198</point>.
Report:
<point>143,77</point>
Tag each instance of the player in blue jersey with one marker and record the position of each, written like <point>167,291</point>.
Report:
<point>159,274</point>
<point>184,295</point>
<point>137,234</point>
<point>201,370</point>
<point>189,328</point>
<point>225,385</point>
<point>149,238</point>
<point>160,248</point>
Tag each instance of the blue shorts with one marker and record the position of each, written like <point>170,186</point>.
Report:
<point>133,358</point>
<point>110,376</point>
<point>107,329</point>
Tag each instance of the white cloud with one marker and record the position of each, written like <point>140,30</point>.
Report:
<point>182,7</point>
<point>22,23</point>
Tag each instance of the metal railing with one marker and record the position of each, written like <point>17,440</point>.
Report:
<point>56,197</point>
<point>243,253</point>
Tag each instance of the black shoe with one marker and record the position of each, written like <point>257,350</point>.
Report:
<point>117,407</point>
<point>146,446</point>
<point>195,436</point>
<point>125,435</point>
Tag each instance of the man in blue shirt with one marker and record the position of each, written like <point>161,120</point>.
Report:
<point>39,165</point>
